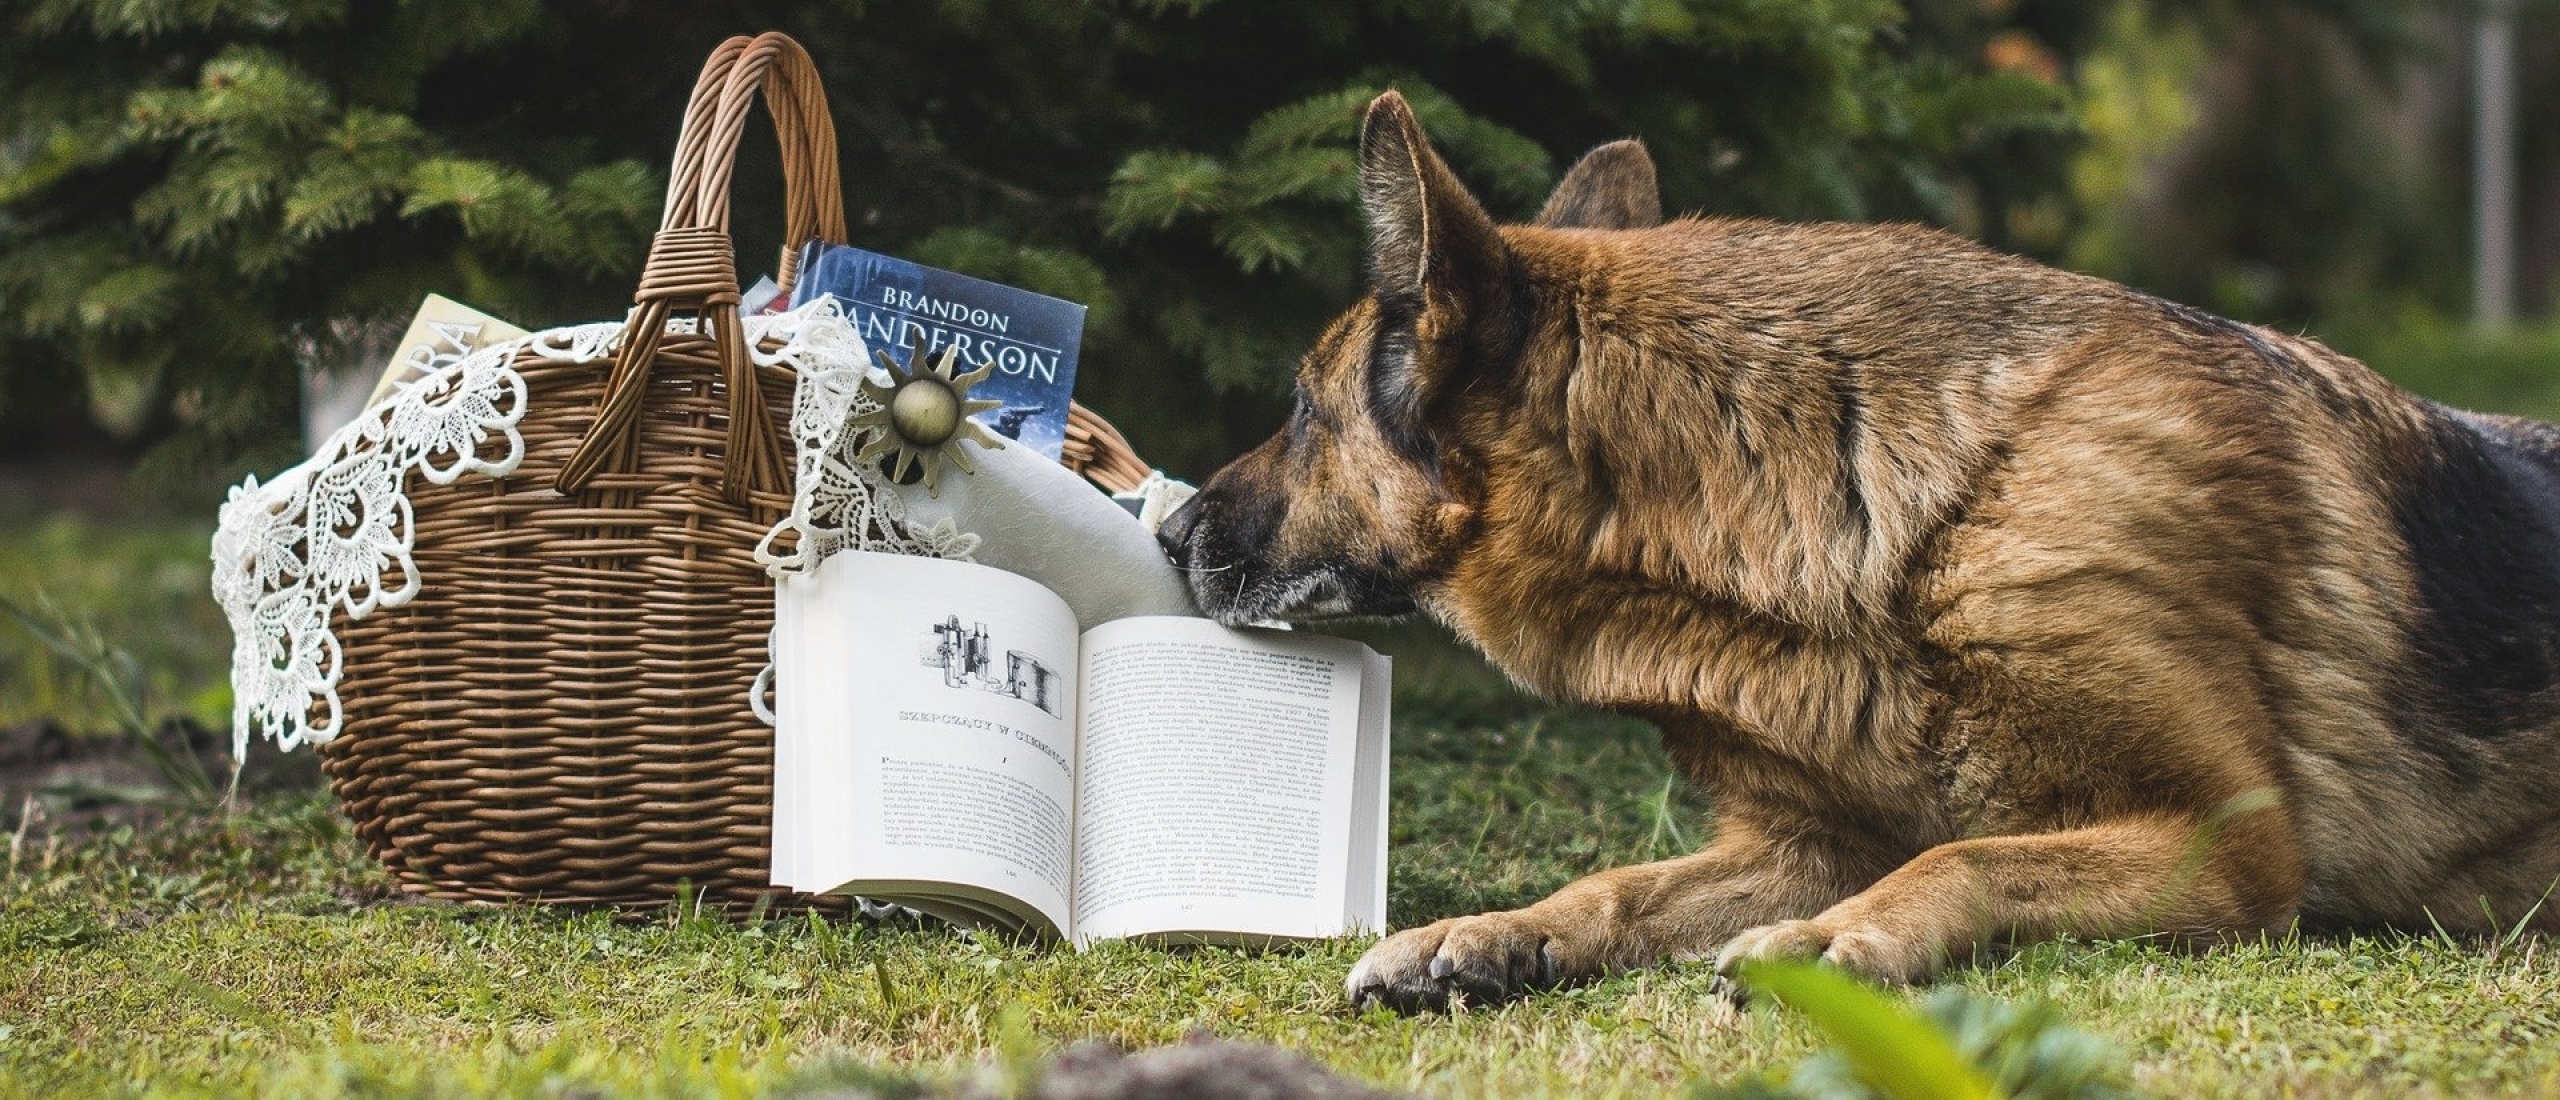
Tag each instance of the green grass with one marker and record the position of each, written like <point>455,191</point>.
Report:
<point>262,954</point>
<point>2517,371</point>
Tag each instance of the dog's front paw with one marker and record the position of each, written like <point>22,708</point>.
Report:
<point>1864,950</point>
<point>1472,960</point>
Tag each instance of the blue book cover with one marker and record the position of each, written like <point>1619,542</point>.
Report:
<point>1031,339</point>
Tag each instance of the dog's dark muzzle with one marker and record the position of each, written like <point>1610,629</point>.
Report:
<point>1175,534</point>
<point>1221,545</point>
<point>1225,546</point>
<point>1219,529</point>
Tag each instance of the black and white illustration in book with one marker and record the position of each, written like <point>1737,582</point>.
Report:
<point>968,659</point>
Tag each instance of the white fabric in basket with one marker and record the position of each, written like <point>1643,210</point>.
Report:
<point>1037,518</point>
<point>334,532</point>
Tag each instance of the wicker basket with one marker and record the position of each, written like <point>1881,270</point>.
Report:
<point>561,713</point>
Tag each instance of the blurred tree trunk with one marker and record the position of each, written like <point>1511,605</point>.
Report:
<point>2493,166</point>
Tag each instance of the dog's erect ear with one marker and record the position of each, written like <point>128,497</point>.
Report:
<point>1427,236</point>
<point>1611,187</point>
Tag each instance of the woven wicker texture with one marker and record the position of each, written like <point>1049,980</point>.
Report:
<point>561,714</point>
<point>1100,452</point>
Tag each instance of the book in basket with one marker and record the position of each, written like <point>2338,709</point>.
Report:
<point>947,739</point>
<point>1029,340</point>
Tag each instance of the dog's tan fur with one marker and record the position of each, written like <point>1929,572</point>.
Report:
<point>1986,601</point>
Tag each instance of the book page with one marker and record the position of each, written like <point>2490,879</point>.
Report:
<point>925,744</point>
<point>1364,888</point>
<point>790,764</point>
<point>1219,771</point>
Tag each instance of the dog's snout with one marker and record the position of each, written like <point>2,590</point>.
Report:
<point>1175,534</point>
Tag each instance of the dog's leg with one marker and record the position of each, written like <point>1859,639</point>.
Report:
<point>2180,875</point>
<point>1615,920</point>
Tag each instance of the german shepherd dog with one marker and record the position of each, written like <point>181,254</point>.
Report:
<point>1986,602</point>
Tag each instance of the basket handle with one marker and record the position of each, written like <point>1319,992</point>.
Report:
<point>690,264</point>
<point>1098,451</point>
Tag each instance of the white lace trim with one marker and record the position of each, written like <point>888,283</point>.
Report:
<point>837,503</point>
<point>334,532</point>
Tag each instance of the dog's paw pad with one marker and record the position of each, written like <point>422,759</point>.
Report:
<point>1468,960</point>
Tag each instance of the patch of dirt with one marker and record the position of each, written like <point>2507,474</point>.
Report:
<point>90,486</point>
<point>1199,1068</point>
<point>85,780</point>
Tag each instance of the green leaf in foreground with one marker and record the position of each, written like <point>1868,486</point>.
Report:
<point>1893,1050</point>
<point>1959,1044</point>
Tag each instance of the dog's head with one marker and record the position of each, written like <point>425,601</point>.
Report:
<point>1371,489</point>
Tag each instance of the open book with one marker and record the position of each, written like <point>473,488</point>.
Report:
<point>946,739</point>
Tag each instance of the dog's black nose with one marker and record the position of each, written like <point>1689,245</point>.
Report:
<point>1175,534</point>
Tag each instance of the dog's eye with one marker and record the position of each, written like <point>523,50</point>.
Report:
<point>1303,416</point>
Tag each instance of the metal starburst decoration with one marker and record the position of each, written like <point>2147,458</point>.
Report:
<point>923,415</point>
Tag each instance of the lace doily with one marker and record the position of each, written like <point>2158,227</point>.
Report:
<point>838,503</point>
<point>334,532</point>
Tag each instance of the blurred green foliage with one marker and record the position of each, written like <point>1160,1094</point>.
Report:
<point>2309,184</point>
<point>198,195</point>
<point>2516,371</point>
<point>2305,165</point>
<point>1959,1045</point>
<point>138,585</point>
<point>195,194</point>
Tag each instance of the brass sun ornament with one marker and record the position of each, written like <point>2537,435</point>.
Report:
<point>923,415</point>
